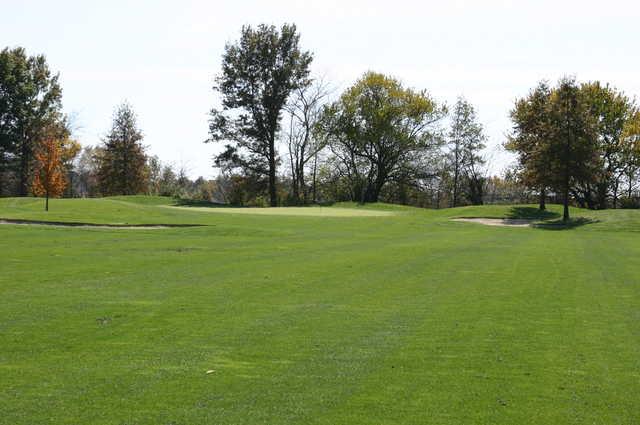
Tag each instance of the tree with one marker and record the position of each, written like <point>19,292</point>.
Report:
<point>530,134</point>
<point>69,150</point>
<point>556,139</point>
<point>610,110</point>
<point>572,146</point>
<point>30,106</point>
<point>465,142</point>
<point>122,159</point>
<point>378,130</point>
<point>86,166</point>
<point>154,174</point>
<point>259,72</point>
<point>49,177</point>
<point>304,112</point>
<point>631,152</point>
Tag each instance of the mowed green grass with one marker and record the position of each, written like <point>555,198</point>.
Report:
<point>404,318</point>
<point>298,211</point>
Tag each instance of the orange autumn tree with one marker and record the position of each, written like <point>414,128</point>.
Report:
<point>49,179</point>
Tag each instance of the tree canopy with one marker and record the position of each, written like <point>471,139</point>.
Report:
<point>259,72</point>
<point>575,139</point>
<point>122,160</point>
<point>465,140</point>
<point>30,108</point>
<point>49,177</point>
<point>378,130</point>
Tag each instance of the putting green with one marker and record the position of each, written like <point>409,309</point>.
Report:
<point>297,211</point>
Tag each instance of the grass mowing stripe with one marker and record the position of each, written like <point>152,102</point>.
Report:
<point>353,320</point>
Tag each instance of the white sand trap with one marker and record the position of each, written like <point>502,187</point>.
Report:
<point>508,222</point>
<point>297,211</point>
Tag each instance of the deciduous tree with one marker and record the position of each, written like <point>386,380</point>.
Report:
<point>610,110</point>
<point>303,113</point>
<point>49,178</point>
<point>529,137</point>
<point>378,130</point>
<point>572,148</point>
<point>259,72</point>
<point>30,106</point>
<point>465,141</point>
<point>631,152</point>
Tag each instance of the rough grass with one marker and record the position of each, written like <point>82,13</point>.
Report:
<point>403,319</point>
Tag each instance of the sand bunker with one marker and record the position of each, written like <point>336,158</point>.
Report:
<point>507,222</point>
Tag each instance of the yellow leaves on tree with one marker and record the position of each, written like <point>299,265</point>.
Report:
<point>49,179</point>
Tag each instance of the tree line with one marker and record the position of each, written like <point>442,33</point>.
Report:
<point>284,137</point>
<point>581,141</point>
<point>39,155</point>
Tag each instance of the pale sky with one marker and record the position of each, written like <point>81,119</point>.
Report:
<point>162,56</point>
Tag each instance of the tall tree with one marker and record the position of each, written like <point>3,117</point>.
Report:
<point>631,152</point>
<point>610,110</point>
<point>49,179</point>
<point>30,106</point>
<point>69,150</point>
<point>572,146</point>
<point>303,113</point>
<point>377,130</point>
<point>465,140</point>
<point>556,139</point>
<point>529,138</point>
<point>122,159</point>
<point>86,166</point>
<point>259,72</point>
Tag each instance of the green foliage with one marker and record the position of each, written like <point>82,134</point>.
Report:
<point>259,72</point>
<point>601,153</point>
<point>30,107</point>
<point>611,111</point>
<point>531,131</point>
<point>122,161</point>
<point>571,148</point>
<point>378,130</point>
<point>466,140</point>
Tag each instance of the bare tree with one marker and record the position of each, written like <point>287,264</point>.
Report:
<point>304,111</point>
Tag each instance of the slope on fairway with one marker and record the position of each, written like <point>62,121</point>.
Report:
<point>401,319</point>
<point>298,211</point>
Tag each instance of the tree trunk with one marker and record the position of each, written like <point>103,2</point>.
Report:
<point>301,184</point>
<point>23,177</point>
<point>294,187</point>
<point>46,201</point>
<point>543,196</point>
<point>273,199</point>
<point>565,201</point>
<point>455,187</point>
<point>315,163</point>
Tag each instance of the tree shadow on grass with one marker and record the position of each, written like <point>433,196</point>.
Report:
<point>531,213</point>
<point>547,220</point>
<point>558,224</point>
<point>179,202</point>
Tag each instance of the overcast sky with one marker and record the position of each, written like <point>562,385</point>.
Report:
<point>162,56</point>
